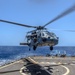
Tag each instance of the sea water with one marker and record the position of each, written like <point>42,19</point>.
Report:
<point>11,53</point>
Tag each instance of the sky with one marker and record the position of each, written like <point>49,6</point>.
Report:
<point>35,12</point>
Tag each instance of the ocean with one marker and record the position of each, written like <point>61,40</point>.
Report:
<point>12,53</point>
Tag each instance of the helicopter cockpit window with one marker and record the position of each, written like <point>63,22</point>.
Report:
<point>53,35</point>
<point>48,33</point>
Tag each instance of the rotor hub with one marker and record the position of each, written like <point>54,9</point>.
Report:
<point>40,28</point>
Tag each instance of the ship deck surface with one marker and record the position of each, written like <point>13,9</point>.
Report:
<point>40,65</point>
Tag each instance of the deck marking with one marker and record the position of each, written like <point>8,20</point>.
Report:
<point>10,64</point>
<point>33,60</point>
<point>38,63</point>
<point>23,68</point>
<point>21,71</point>
<point>67,72</point>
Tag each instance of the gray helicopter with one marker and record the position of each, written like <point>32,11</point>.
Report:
<point>41,36</point>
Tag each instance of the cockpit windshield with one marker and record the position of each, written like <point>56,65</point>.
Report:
<point>47,32</point>
<point>50,33</point>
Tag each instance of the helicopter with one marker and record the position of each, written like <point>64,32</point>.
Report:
<point>41,36</point>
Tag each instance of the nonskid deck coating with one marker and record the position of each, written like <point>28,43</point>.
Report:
<point>54,65</point>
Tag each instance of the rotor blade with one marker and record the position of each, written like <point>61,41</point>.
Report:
<point>17,24</point>
<point>63,30</point>
<point>70,30</point>
<point>68,11</point>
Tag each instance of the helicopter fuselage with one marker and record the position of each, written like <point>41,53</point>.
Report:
<point>42,38</point>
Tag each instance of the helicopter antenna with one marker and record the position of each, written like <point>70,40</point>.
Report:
<point>68,11</point>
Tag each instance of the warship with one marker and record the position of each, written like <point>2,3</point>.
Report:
<point>40,65</point>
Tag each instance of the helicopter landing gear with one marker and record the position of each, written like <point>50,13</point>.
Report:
<point>34,48</point>
<point>51,48</point>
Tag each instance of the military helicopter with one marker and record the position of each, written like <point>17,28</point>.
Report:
<point>41,36</point>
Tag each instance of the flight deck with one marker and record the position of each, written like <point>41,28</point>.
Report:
<point>40,65</point>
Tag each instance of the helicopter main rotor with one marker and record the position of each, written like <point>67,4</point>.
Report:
<point>68,11</point>
<point>17,24</point>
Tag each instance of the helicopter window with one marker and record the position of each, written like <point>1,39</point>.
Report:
<point>53,35</point>
<point>47,33</point>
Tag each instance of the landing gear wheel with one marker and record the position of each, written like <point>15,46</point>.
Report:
<point>34,47</point>
<point>51,48</point>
